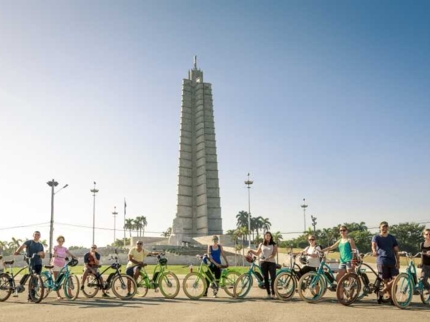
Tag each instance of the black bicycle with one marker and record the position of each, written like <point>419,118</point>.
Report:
<point>122,285</point>
<point>9,285</point>
<point>354,286</point>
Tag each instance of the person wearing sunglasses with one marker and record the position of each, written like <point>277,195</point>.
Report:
<point>310,256</point>
<point>92,262</point>
<point>386,250</point>
<point>347,249</point>
<point>425,259</point>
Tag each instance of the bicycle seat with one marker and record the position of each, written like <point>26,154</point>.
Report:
<point>278,266</point>
<point>49,266</point>
<point>9,262</point>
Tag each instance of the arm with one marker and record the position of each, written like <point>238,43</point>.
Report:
<point>223,255</point>
<point>374,248</point>
<point>96,258</point>
<point>131,259</point>
<point>331,247</point>
<point>257,252</point>
<point>70,254</point>
<point>396,253</point>
<point>19,250</point>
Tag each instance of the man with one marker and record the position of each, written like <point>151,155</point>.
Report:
<point>136,255</point>
<point>92,261</point>
<point>33,247</point>
<point>385,247</point>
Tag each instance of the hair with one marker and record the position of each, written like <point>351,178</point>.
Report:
<point>343,227</point>
<point>271,242</point>
<point>426,230</point>
<point>311,236</point>
<point>61,236</point>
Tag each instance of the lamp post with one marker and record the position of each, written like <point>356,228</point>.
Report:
<point>249,183</point>
<point>94,191</point>
<point>304,206</point>
<point>115,213</point>
<point>52,184</point>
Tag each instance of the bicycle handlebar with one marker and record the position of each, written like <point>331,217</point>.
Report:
<point>409,255</point>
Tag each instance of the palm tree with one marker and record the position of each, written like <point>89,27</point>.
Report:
<point>129,225</point>
<point>16,241</point>
<point>167,233</point>
<point>44,242</point>
<point>242,219</point>
<point>277,237</point>
<point>137,225</point>
<point>142,224</point>
<point>266,224</point>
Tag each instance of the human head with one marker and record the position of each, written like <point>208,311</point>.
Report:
<point>139,245</point>
<point>61,239</point>
<point>426,233</point>
<point>36,235</point>
<point>343,230</point>
<point>311,239</point>
<point>268,238</point>
<point>94,247</point>
<point>215,239</point>
<point>383,227</point>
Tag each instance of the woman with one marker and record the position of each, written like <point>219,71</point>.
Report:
<point>312,253</point>
<point>425,259</point>
<point>268,250</point>
<point>346,251</point>
<point>58,259</point>
<point>215,251</point>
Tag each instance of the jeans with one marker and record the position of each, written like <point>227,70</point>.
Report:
<point>269,268</point>
<point>425,275</point>
<point>216,272</point>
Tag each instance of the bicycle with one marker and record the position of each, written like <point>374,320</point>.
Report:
<point>116,281</point>
<point>356,285</point>
<point>8,284</point>
<point>245,281</point>
<point>195,284</point>
<point>313,285</point>
<point>65,279</point>
<point>167,281</point>
<point>405,285</point>
<point>287,279</point>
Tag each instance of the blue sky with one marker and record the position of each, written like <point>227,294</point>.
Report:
<point>323,100</point>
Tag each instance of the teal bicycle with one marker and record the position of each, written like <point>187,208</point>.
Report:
<point>406,285</point>
<point>65,280</point>
<point>246,280</point>
<point>313,285</point>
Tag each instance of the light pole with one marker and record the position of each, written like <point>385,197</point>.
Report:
<point>94,191</point>
<point>304,206</point>
<point>115,213</point>
<point>52,184</point>
<point>249,183</point>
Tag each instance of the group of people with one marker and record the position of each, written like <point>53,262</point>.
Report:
<point>384,247</point>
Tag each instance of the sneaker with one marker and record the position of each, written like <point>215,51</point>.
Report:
<point>273,296</point>
<point>268,296</point>
<point>215,296</point>
<point>104,295</point>
<point>82,287</point>
<point>129,294</point>
<point>205,295</point>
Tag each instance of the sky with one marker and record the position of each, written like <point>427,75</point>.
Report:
<point>323,100</point>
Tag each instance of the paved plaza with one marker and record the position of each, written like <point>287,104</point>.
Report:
<point>254,308</point>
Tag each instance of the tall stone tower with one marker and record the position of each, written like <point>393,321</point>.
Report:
<point>199,210</point>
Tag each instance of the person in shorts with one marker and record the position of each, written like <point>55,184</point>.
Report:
<point>386,250</point>
<point>92,262</point>
<point>59,259</point>
<point>136,255</point>
<point>347,250</point>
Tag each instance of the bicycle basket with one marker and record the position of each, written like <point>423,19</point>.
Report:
<point>115,266</point>
<point>163,261</point>
<point>249,258</point>
<point>73,262</point>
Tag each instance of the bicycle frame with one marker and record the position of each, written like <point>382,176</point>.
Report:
<point>157,272</point>
<point>62,276</point>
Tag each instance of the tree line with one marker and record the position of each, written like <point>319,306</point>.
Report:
<point>8,247</point>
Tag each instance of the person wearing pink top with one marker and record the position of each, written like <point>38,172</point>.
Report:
<point>59,259</point>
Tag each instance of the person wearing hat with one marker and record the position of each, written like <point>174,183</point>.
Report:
<point>386,250</point>
<point>215,251</point>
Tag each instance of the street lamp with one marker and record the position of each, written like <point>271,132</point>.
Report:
<point>52,184</point>
<point>304,206</point>
<point>94,191</point>
<point>249,183</point>
<point>115,213</point>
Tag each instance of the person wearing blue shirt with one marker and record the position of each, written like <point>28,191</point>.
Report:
<point>386,249</point>
<point>215,251</point>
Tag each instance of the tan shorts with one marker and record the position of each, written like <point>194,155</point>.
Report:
<point>57,268</point>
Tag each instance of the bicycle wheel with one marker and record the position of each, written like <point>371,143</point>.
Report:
<point>194,285</point>
<point>169,285</point>
<point>71,287</point>
<point>348,289</point>
<point>285,285</point>
<point>142,286</point>
<point>425,298</point>
<point>402,290</point>
<point>124,287</point>
<point>312,287</point>
<point>229,280</point>
<point>46,284</point>
<point>35,288</point>
<point>243,285</point>
<point>90,286</point>
<point>5,287</point>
